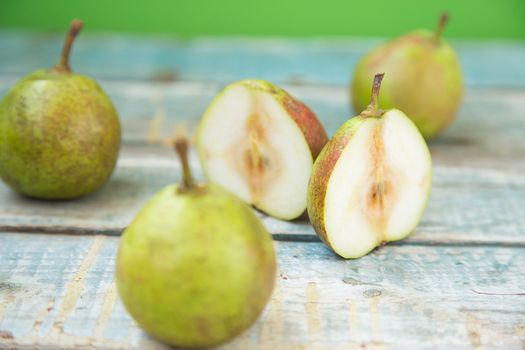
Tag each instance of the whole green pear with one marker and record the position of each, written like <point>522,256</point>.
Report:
<point>424,79</point>
<point>59,132</point>
<point>196,267</point>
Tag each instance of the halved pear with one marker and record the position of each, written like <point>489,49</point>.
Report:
<point>371,182</point>
<point>260,143</point>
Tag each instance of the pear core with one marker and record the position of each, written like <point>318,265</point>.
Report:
<point>370,184</point>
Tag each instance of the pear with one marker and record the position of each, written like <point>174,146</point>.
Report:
<point>59,132</point>
<point>371,182</point>
<point>424,79</point>
<point>259,142</point>
<point>196,267</point>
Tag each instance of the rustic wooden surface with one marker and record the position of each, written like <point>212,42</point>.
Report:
<point>457,282</point>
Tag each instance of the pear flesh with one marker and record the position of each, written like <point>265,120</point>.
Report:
<point>370,184</point>
<point>260,143</point>
<point>196,267</point>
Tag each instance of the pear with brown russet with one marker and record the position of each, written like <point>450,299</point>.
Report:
<point>371,182</point>
<point>59,132</point>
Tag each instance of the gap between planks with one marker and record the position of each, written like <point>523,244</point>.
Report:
<point>280,237</point>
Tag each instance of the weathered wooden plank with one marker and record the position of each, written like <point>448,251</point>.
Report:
<point>318,60</point>
<point>466,205</point>
<point>488,133</point>
<point>58,291</point>
<point>495,199</point>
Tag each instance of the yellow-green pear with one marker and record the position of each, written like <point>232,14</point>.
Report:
<point>424,79</point>
<point>196,267</point>
<point>59,132</point>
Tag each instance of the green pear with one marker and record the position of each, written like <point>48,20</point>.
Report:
<point>259,142</point>
<point>196,267</point>
<point>371,182</point>
<point>424,79</point>
<point>59,132</point>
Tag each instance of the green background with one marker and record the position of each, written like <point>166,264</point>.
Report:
<point>479,19</point>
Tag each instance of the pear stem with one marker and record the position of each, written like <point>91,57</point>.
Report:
<point>74,29</point>
<point>443,20</point>
<point>374,98</point>
<point>181,146</point>
<point>373,110</point>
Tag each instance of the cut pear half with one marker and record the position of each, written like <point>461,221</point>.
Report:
<point>251,141</point>
<point>379,187</point>
<point>371,182</point>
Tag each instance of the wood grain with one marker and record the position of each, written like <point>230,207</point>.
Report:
<point>478,190</point>
<point>488,132</point>
<point>457,282</point>
<point>466,206</point>
<point>398,297</point>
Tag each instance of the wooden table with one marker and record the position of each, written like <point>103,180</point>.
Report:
<point>456,283</point>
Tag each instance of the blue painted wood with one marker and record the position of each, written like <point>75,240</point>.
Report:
<point>466,206</point>
<point>319,61</point>
<point>58,291</point>
<point>488,132</point>
<point>423,293</point>
<point>478,184</point>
